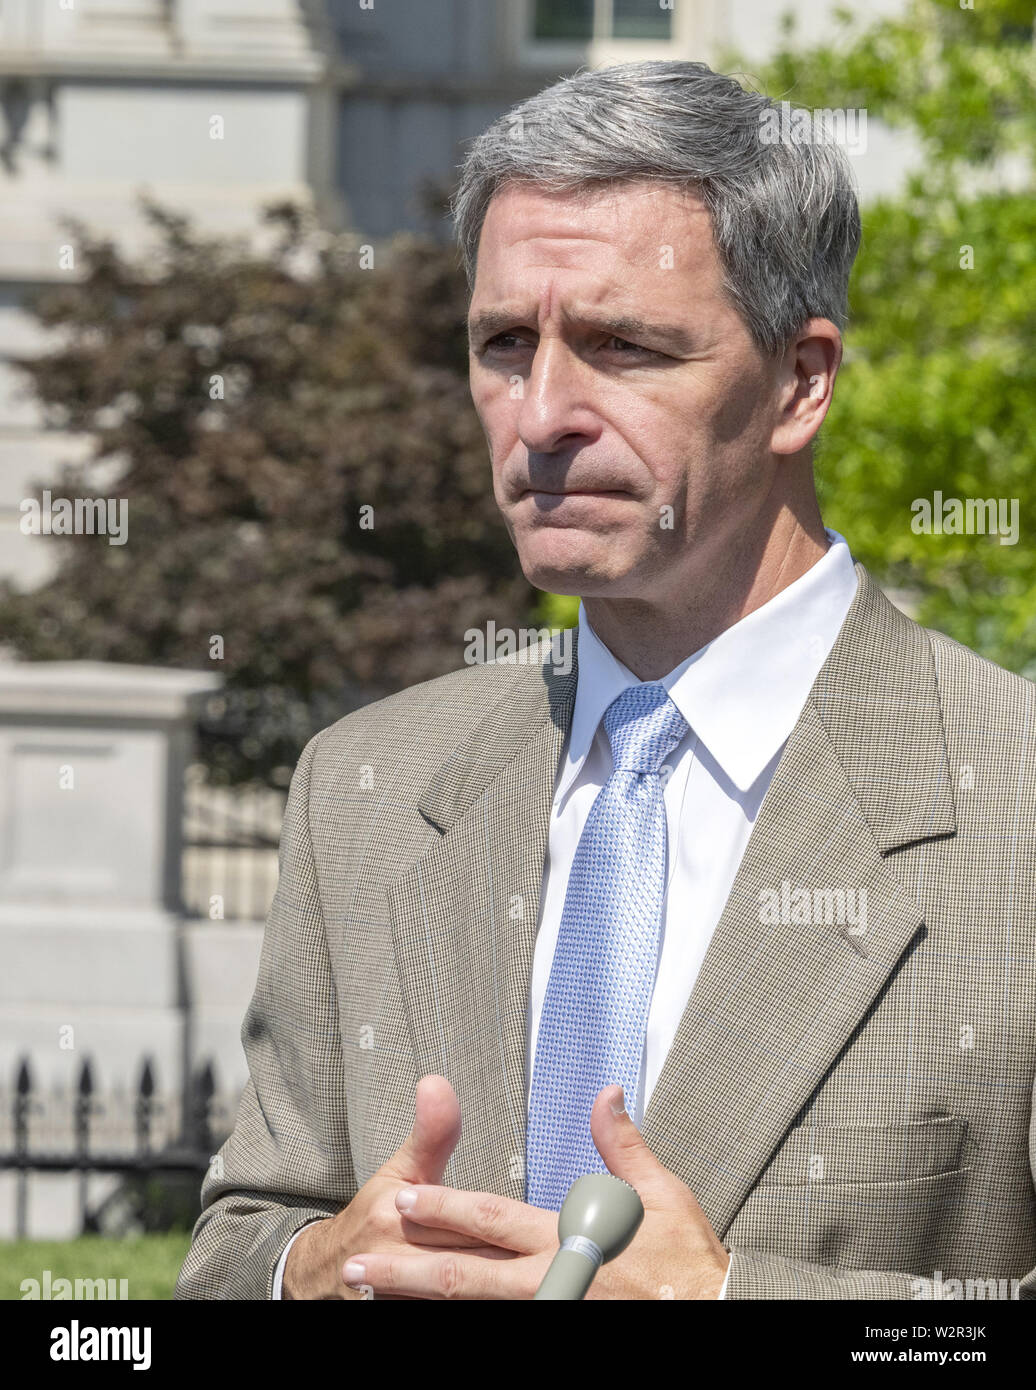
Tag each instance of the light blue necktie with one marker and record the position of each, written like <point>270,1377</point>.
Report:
<point>595,1012</point>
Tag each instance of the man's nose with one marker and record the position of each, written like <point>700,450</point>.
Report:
<point>555,403</point>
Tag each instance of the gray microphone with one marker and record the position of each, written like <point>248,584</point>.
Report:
<point>598,1218</point>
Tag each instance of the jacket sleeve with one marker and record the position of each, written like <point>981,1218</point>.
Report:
<point>287,1161</point>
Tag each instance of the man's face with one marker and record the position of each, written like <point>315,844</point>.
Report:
<point>627,410</point>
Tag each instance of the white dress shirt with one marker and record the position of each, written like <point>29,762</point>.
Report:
<point>741,696</point>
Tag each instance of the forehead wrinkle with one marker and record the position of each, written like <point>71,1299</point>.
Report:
<point>561,234</point>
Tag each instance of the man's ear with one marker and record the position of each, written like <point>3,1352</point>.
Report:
<point>805,383</point>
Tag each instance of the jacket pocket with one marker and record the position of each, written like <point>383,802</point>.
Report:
<point>834,1154</point>
<point>917,1225</point>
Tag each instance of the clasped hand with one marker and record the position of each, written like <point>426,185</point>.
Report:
<point>405,1236</point>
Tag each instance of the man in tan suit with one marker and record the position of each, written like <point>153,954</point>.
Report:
<point>832,1089</point>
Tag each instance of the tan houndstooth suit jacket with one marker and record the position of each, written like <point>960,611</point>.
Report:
<point>854,1111</point>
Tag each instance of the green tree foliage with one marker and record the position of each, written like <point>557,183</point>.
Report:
<point>938,392</point>
<point>343,388</point>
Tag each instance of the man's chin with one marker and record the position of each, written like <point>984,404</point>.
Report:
<point>587,582</point>
<point>573,562</point>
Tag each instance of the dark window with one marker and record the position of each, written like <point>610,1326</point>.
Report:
<point>640,19</point>
<point>563,19</point>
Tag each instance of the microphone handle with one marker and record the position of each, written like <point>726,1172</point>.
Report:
<point>571,1271</point>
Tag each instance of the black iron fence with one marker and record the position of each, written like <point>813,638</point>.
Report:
<point>138,1133</point>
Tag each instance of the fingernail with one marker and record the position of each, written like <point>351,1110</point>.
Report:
<point>354,1272</point>
<point>619,1106</point>
<point>406,1199</point>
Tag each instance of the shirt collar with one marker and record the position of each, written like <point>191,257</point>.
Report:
<point>742,693</point>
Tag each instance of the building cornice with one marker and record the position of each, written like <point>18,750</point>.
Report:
<point>127,67</point>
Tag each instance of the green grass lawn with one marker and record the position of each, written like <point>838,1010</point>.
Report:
<point>150,1263</point>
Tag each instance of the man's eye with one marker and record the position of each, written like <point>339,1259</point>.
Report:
<point>633,347</point>
<point>507,342</point>
<point>504,341</point>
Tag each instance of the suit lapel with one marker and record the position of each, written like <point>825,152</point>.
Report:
<point>863,771</point>
<point>464,920</point>
<point>775,1003</point>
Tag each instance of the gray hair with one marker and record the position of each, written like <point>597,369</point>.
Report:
<point>784,213</point>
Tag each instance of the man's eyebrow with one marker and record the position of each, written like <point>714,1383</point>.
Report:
<point>492,321</point>
<point>627,326</point>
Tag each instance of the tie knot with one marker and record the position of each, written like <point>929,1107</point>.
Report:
<point>643,727</point>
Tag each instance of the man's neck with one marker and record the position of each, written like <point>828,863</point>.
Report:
<point>652,638</point>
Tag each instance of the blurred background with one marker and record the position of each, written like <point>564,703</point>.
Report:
<point>243,490</point>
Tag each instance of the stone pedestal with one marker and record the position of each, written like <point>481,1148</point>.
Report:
<point>92,760</point>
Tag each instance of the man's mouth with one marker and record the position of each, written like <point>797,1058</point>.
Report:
<point>573,492</point>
